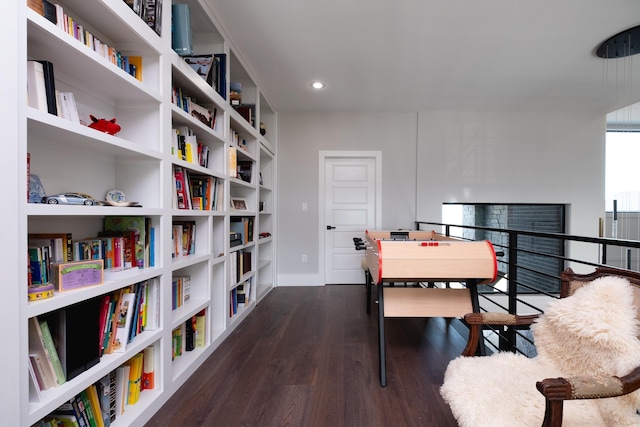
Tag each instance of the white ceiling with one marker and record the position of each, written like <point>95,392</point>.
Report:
<point>421,55</point>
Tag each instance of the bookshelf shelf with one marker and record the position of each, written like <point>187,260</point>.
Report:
<point>141,160</point>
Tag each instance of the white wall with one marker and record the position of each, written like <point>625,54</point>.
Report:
<point>300,138</point>
<point>461,157</point>
<point>514,158</point>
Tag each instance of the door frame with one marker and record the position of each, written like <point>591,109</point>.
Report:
<point>322,225</point>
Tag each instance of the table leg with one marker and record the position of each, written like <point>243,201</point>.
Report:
<point>368,285</point>
<point>381,341</point>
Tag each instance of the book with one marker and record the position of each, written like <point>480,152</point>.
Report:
<point>64,420</point>
<point>136,226</point>
<point>37,6</point>
<point>200,338</point>
<point>148,368</point>
<point>42,371</point>
<point>68,108</point>
<point>203,65</point>
<point>94,403</point>
<point>115,314</point>
<point>81,411</point>
<point>62,244</point>
<point>244,170</point>
<point>135,66</point>
<point>79,336</point>
<point>103,390</point>
<point>181,37</point>
<point>70,410</point>
<point>88,409</point>
<point>221,74</point>
<point>135,378</point>
<point>36,88</point>
<point>47,340</point>
<point>233,162</point>
<point>122,388</point>
<point>50,87</point>
<point>190,333</point>
<point>49,11</point>
<point>124,316</point>
<point>247,111</point>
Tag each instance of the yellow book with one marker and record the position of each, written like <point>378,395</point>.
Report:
<point>135,378</point>
<point>137,61</point>
<point>233,162</point>
<point>94,401</point>
<point>189,153</point>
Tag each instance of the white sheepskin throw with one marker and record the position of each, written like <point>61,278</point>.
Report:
<point>593,332</point>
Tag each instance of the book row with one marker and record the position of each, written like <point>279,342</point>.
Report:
<point>207,115</point>
<point>101,403</point>
<point>191,334</point>
<point>180,291</point>
<point>240,264</point>
<point>238,140</point>
<point>185,146</point>
<point>196,191</point>
<point>57,15</point>
<point>67,342</point>
<point>183,238</point>
<point>239,297</point>
<point>242,226</point>
<point>42,93</point>
<point>125,243</point>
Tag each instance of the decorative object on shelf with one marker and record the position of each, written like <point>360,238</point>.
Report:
<point>264,234</point>
<point>117,198</point>
<point>263,129</point>
<point>104,125</point>
<point>235,93</point>
<point>181,36</point>
<point>70,199</point>
<point>238,204</point>
<point>36,189</point>
<point>38,292</point>
<point>68,276</point>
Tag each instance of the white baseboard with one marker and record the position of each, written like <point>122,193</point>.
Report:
<point>300,280</point>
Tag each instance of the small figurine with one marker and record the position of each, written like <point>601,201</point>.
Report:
<point>263,129</point>
<point>104,125</point>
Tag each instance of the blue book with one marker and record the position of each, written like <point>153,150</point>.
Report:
<point>181,39</point>
<point>221,74</point>
<point>152,245</point>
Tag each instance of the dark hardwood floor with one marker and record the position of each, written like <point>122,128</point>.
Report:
<point>308,356</point>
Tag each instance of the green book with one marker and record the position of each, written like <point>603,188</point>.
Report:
<point>87,407</point>
<point>53,353</point>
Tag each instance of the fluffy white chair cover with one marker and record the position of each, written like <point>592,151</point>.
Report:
<point>593,332</point>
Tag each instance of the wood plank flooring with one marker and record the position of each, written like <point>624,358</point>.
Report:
<point>308,356</point>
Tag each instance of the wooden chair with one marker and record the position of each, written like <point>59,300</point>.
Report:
<point>558,390</point>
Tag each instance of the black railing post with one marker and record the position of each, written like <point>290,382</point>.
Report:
<point>510,333</point>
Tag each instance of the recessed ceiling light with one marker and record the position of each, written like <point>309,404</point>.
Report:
<point>317,85</point>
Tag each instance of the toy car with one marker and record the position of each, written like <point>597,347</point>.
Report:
<point>70,199</point>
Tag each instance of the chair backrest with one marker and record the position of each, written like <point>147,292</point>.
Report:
<point>571,281</point>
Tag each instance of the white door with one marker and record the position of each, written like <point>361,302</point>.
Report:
<point>351,205</point>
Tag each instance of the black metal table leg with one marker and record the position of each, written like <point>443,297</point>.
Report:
<point>381,341</point>
<point>368,285</point>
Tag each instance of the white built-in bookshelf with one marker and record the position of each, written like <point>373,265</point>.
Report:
<point>225,279</point>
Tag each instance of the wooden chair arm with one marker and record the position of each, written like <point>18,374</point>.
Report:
<point>557,390</point>
<point>477,320</point>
